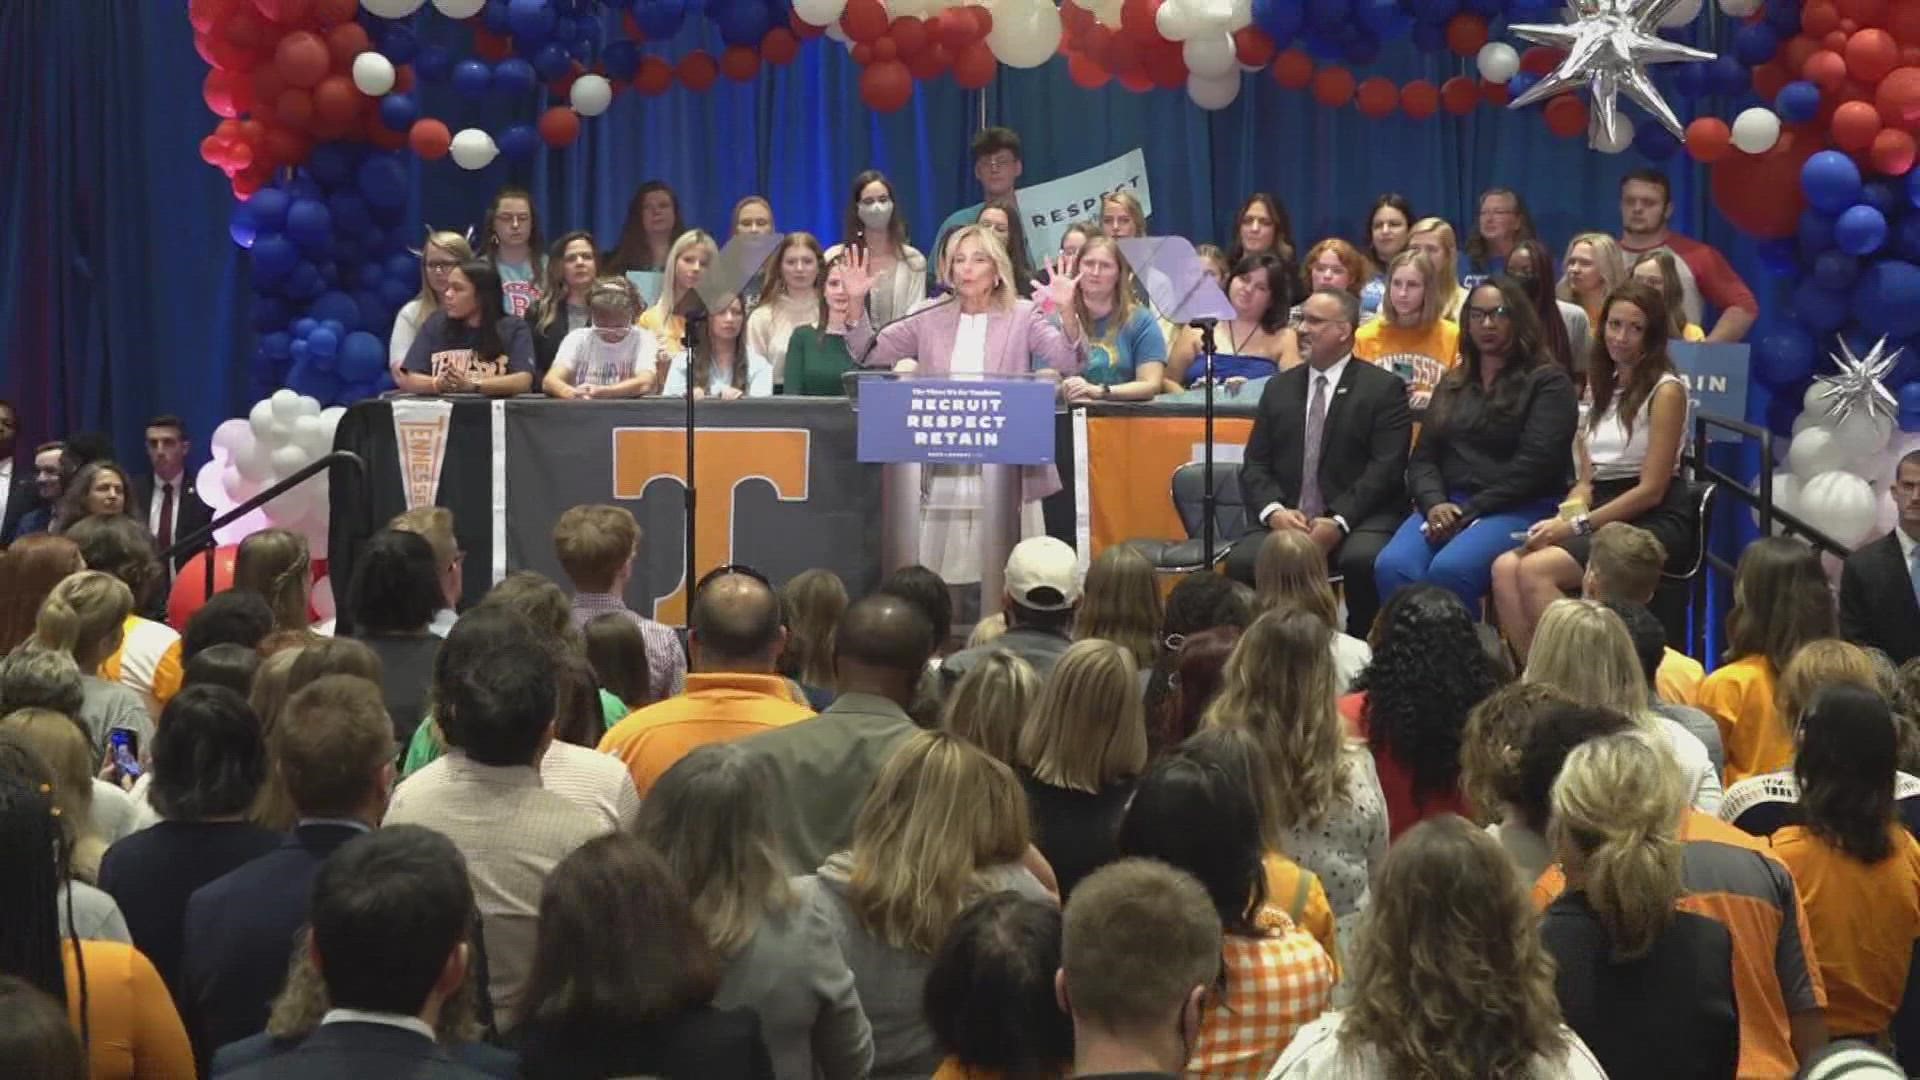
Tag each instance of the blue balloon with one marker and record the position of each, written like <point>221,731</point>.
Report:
<point>278,344</point>
<point>1913,187</point>
<point>1831,181</point>
<point>519,142</point>
<point>269,209</point>
<point>382,182</point>
<point>622,59</point>
<point>274,257</point>
<point>362,357</point>
<point>744,22</point>
<point>311,226</point>
<point>1786,355</point>
<point>1906,239</point>
<point>1755,43</point>
<point>552,60</point>
<point>322,342</point>
<point>298,351</point>
<point>1524,81</point>
<point>1690,80</point>
<point>514,77</point>
<point>1728,77</point>
<point>1797,102</point>
<point>302,186</point>
<point>1383,17</point>
<point>1363,49</point>
<point>351,217</point>
<point>1780,257</point>
<point>1427,37</point>
<point>370,276</point>
<point>1835,270</point>
<point>395,291</point>
<point>404,266</point>
<point>324,363</point>
<point>497,16</point>
<point>1784,16</point>
<point>1881,195</point>
<point>335,311</point>
<point>1862,230</point>
<point>398,43</point>
<point>471,78</point>
<point>332,162</point>
<point>269,314</point>
<point>590,35</point>
<point>1886,299</point>
<point>1281,19</point>
<point>1655,142</point>
<point>531,19</point>
<point>1489,8</point>
<point>434,63</point>
<point>1435,11</point>
<point>336,327</point>
<point>1910,407</point>
<point>304,326</point>
<point>375,313</point>
<point>1327,14</point>
<point>241,226</point>
<point>1815,232</point>
<point>659,18</point>
<point>399,111</point>
<point>1821,309</point>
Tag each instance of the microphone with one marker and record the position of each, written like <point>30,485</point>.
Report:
<point>939,295</point>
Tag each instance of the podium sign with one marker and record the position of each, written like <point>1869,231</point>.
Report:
<point>956,422</point>
<point>1716,377</point>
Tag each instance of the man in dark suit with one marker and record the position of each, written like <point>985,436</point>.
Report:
<point>36,509</point>
<point>166,500</point>
<point>17,495</point>
<point>335,753</point>
<point>1328,456</point>
<point>1880,583</point>
<point>390,917</point>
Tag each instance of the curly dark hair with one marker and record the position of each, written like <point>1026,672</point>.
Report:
<point>1428,671</point>
<point>1203,600</point>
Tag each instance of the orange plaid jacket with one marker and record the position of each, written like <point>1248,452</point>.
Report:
<point>1275,986</point>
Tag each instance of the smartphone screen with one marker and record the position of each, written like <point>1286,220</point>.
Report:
<point>124,745</point>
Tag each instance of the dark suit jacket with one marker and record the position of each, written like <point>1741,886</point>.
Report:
<point>359,1050</point>
<point>1877,607</point>
<point>1363,450</point>
<point>254,1050</point>
<point>23,498</point>
<point>240,931</point>
<point>192,515</point>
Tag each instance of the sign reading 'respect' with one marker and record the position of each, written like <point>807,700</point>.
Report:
<point>1050,207</point>
<point>1004,422</point>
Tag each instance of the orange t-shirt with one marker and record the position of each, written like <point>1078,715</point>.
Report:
<point>1297,891</point>
<point>1739,697</point>
<point>1677,680</point>
<point>716,707</point>
<point>1865,920</point>
<point>131,1022</point>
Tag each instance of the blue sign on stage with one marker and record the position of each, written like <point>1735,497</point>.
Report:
<point>956,422</point>
<point>1716,378</point>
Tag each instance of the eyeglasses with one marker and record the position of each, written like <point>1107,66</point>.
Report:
<point>1488,315</point>
<point>1000,162</point>
<point>731,568</point>
<point>441,266</point>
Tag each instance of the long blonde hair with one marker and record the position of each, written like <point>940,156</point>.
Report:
<point>1005,293</point>
<point>1449,977</point>
<point>812,604</point>
<point>1451,295</point>
<point>1292,570</point>
<point>940,812</point>
<point>63,745</point>
<point>1820,663</point>
<point>1123,287</point>
<point>272,687</point>
<point>1433,300</point>
<point>1615,822</point>
<point>1606,258</point>
<point>711,817</point>
<point>453,244</point>
<point>1089,729</point>
<point>991,703</point>
<point>84,616</point>
<point>1279,684</point>
<point>1121,603</point>
<point>1584,650</point>
<point>664,307</point>
<point>275,564</point>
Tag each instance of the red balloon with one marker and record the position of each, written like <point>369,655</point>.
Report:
<point>911,35</point>
<point>974,66</point>
<point>430,139</point>
<point>800,27</point>
<point>1419,99</point>
<point>653,77</point>
<point>346,41</point>
<point>206,14</point>
<point>1333,86</point>
<point>213,150</point>
<point>559,126</point>
<point>1898,98</point>
<point>226,93</point>
<point>295,108</point>
<point>1098,44</point>
<point>267,84</point>
<point>1910,55</point>
<point>1904,22</point>
<point>1466,33</point>
<point>886,86</point>
<point>1135,81</point>
<point>953,28</point>
<point>864,20</point>
<point>1378,97</point>
<point>1293,69</point>
<point>1539,59</point>
<point>1865,12</point>
<point>885,48</point>
<point>1819,19</point>
<point>862,53</point>
<point>740,63</point>
<point>697,71</point>
<point>1494,94</point>
<point>329,12</point>
<point>1760,193</point>
<point>1826,69</point>
<point>1167,65</point>
<point>1795,52</point>
<point>1567,116</point>
<point>1855,123</point>
<point>1137,19</point>
<point>189,589</point>
<point>1871,54</point>
<point>982,22</point>
<point>336,101</point>
<point>1836,39</point>
<point>1460,95</point>
<point>1892,152</point>
<point>286,12</point>
<point>247,30</point>
<point>285,146</point>
<point>1253,46</point>
<point>930,62</point>
<point>402,78</point>
<point>302,59</point>
<point>1770,77</point>
<point>1086,72</point>
<point>490,46</point>
<point>385,137</point>
<point>1709,139</point>
<point>780,46</point>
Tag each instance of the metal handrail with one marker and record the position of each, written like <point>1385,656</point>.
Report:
<point>203,536</point>
<point>1760,499</point>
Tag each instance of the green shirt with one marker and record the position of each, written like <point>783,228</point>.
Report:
<point>815,362</point>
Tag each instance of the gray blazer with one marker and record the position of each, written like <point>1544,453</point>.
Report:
<point>791,973</point>
<point>822,769</point>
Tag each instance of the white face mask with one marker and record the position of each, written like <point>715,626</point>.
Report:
<point>877,213</point>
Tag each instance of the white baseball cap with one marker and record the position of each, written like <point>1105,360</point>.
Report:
<point>1043,574</point>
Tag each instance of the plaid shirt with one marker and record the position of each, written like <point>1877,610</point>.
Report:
<point>1274,986</point>
<point>666,661</point>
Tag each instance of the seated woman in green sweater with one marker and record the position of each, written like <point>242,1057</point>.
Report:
<point>817,356</point>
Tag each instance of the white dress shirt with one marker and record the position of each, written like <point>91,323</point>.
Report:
<point>1333,374</point>
<point>6,487</point>
<point>363,1016</point>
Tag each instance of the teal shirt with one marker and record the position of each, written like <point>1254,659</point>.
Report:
<point>1113,354</point>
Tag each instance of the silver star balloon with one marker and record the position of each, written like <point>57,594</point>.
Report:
<point>1858,385</point>
<point>1609,44</point>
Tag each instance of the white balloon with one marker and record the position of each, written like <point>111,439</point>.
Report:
<point>309,405</point>
<point>373,74</point>
<point>330,421</point>
<point>253,463</point>
<point>287,460</point>
<point>1498,61</point>
<point>1841,505</point>
<point>1242,15</point>
<point>1622,134</point>
<point>1026,39</point>
<point>474,149</point>
<point>1888,513</point>
<point>1213,92</point>
<point>260,419</point>
<point>1682,14</point>
<point>1818,404</point>
<point>819,12</point>
<point>1174,21</point>
<point>392,9</point>
<point>1814,452</point>
<point>286,406</point>
<point>310,436</point>
<point>459,9</point>
<point>1211,56</point>
<point>836,32</point>
<point>591,95</point>
<point>1739,9</point>
<point>1756,130</point>
<point>231,435</point>
<point>210,483</point>
<point>1786,496</point>
<point>1862,435</point>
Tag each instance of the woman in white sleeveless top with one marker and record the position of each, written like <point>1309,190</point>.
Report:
<point>1627,455</point>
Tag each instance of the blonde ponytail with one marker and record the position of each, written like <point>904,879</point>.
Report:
<point>1616,823</point>
<point>82,616</point>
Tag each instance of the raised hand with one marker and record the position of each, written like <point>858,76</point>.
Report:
<point>856,270</point>
<point>1063,280</point>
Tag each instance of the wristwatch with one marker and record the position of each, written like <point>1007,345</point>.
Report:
<point>1106,391</point>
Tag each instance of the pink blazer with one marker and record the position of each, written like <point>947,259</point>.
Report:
<point>1019,340</point>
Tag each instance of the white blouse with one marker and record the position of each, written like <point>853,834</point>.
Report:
<point>1617,454</point>
<point>772,324</point>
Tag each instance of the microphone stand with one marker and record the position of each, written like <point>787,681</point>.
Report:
<point>695,323</point>
<point>1205,326</point>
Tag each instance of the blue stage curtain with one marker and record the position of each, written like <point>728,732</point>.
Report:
<point>124,296</point>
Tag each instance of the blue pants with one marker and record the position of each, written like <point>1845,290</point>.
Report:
<point>1462,565</point>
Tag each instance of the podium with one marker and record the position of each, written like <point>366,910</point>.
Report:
<point>1002,424</point>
